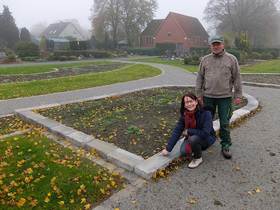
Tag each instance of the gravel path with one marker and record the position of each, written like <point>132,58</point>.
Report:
<point>250,180</point>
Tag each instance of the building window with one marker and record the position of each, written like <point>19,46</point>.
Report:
<point>169,34</point>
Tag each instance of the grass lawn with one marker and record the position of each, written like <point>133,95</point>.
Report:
<point>43,67</point>
<point>37,173</point>
<point>128,73</point>
<point>272,66</point>
<point>178,63</point>
<point>131,121</point>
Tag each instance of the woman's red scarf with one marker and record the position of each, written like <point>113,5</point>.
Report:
<point>190,121</point>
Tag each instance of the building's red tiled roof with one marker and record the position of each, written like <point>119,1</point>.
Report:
<point>190,25</point>
<point>152,28</point>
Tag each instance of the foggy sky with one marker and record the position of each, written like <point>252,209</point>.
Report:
<point>30,12</point>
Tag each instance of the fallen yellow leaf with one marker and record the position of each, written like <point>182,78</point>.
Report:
<point>46,200</point>
<point>21,202</point>
<point>87,206</point>
<point>61,203</point>
<point>258,190</point>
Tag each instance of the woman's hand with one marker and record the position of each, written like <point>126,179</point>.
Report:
<point>164,152</point>
<point>185,133</point>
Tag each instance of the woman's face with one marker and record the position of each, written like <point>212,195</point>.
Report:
<point>190,104</point>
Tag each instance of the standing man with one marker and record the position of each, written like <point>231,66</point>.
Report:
<point>218,83</point>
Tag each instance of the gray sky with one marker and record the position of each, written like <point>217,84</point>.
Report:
<point>30,12</point>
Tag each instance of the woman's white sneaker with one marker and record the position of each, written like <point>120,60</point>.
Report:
<point>195,163</point>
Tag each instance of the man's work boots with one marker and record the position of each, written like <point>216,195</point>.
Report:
<point>226,153</point>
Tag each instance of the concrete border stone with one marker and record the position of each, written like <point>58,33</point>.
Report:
<point>125,159</point>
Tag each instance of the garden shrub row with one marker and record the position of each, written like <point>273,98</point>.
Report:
<point>74,54</point>
<point>144,51</point>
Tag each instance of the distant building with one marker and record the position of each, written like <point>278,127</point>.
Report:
<point>59,35</point>
<point>183,31</point>
<point>63,30</point>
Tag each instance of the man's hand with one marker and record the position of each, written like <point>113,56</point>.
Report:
<point>237,101</point>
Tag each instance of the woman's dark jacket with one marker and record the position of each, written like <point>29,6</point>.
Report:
<point>204,129</point>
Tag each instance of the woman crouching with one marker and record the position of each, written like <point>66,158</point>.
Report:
<point>196,125</point>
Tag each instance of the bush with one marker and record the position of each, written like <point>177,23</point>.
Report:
<point>29,58</point>
<point>11,56</point>
<point>274,52</point>
<point>266,56</point>
<point>236,53</point>
<point>192,60</point>
<point>255,55</point>
<point>144,51</point>
<point>27,49</point>
<point>165,48</point>
<point>74,54</point>
<point>200,52</point>
<point>79,45</point>
<point>243,57</point>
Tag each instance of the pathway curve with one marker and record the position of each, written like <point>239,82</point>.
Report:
<point>170,76</point>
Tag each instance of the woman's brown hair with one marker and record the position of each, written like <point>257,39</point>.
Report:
<point>190,95</point>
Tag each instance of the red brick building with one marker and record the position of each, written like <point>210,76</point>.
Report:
<point>184,31</point>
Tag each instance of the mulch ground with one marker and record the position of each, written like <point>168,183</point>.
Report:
<point>62,72</point>
<point>140,122</point>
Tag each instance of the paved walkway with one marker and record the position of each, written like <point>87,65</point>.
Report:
<point>170,76</point>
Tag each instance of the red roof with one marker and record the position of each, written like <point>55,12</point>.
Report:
<point>190,25</point>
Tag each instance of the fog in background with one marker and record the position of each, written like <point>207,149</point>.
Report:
<point>30,12</point>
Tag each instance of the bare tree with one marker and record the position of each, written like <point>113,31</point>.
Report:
<point>121,17</point>
<point>135,16</point>
<point>106,19</point>
<point>252,17</point>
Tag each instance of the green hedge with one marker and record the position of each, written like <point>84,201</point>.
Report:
<point>236,53</point>
<point>27,49</point>
<point>274,52</point>
<point>200,51</point>
<point>74,54</point>
<point>144,51</point>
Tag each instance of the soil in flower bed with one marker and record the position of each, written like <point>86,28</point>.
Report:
<point>37,173</point>
<point>262,78</point>
<point>140,122</point>
<point>63,72</point>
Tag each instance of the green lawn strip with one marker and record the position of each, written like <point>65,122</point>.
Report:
<point>12,124</point>
<point>272,66</point>
<point>132,72</point>
<point>38,173</point>
<point>44,67</point>
<point>177,63</point>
